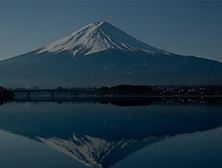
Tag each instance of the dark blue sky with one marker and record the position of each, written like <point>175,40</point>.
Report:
<point>188,28</point>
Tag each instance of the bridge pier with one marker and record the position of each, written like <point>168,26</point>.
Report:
<point>28,95</point>
<point>52,95</point>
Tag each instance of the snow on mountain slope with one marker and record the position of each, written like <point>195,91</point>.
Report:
<point>97,37</point>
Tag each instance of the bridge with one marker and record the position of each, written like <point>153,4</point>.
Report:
<point>52,92</point>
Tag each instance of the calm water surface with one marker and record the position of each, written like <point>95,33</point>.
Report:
<point>111,133</point>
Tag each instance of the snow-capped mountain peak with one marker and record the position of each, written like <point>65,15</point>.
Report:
<point>96,37</point>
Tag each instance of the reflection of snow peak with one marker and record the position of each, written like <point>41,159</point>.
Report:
<point>96,152</point>
<point>97,37</point>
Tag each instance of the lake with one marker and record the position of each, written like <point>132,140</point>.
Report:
<point>113,132</point>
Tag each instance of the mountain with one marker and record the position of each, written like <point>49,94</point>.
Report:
<point>101,54</point>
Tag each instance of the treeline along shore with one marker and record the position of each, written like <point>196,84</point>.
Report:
<point>5,95</point>
<point>121,95</point>
<point>130,90</point>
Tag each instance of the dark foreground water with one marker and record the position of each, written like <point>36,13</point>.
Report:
<point>111,132</point>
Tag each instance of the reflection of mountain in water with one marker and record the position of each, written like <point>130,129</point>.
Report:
<point>105,134</point>
<point>97,152</point>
